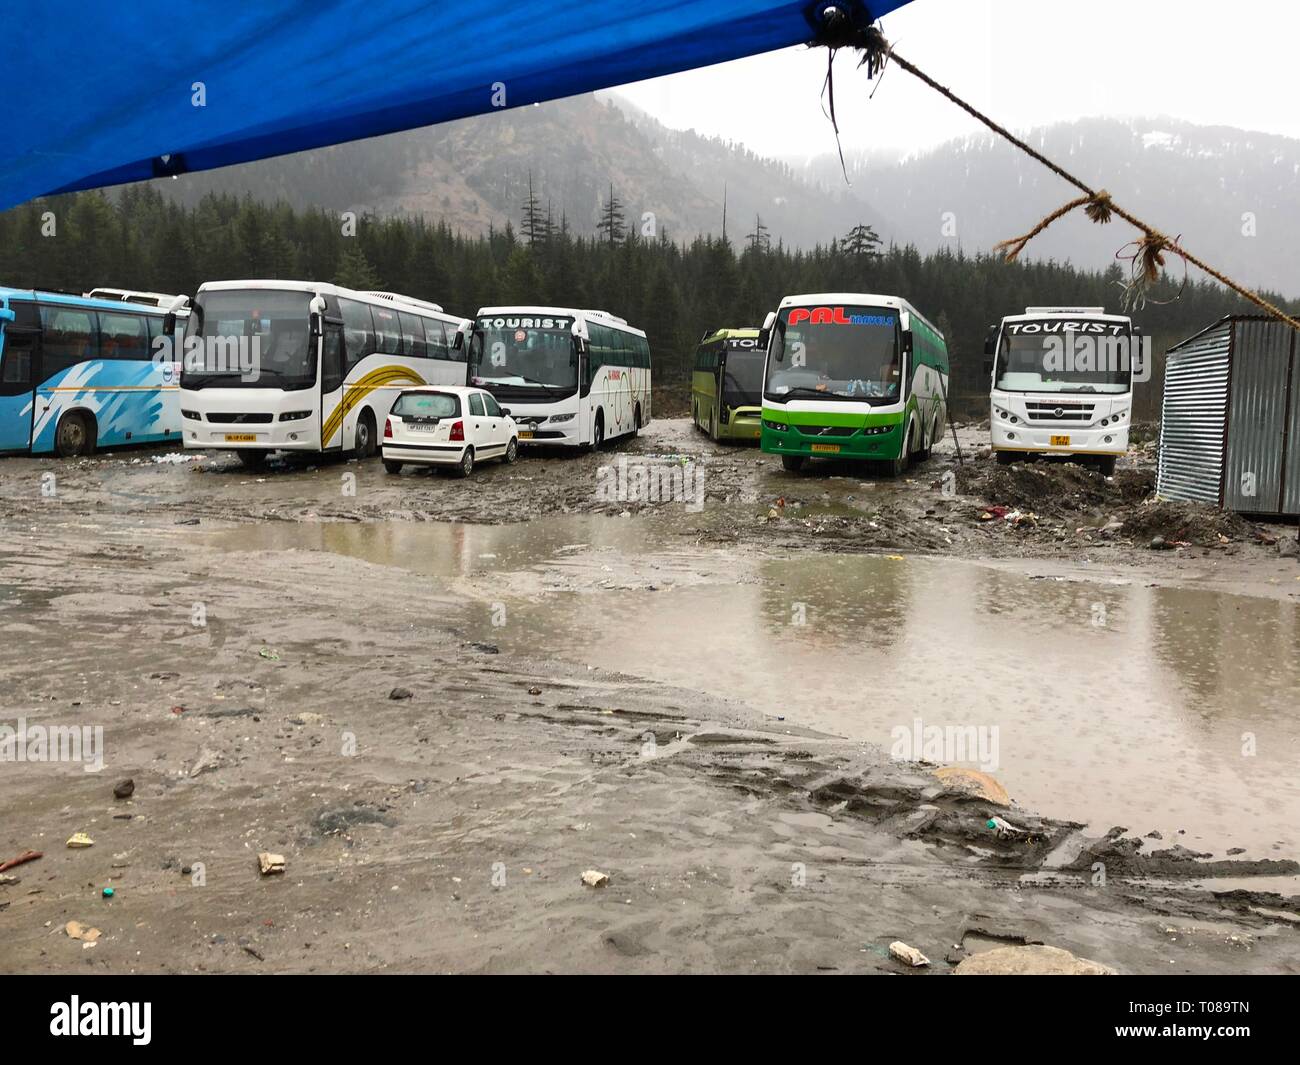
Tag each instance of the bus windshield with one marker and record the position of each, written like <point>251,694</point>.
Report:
<point>1062,356</point>
<point>249,338</point>
<point>742,377</point>
<point>835,353</point>
<point>525,351</point>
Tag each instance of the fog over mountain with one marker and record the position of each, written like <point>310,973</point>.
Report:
<point>1225,190</point>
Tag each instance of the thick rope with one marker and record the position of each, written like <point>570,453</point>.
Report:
<point>1151,248</point>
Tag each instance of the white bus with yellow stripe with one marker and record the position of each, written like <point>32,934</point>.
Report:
<point>306,366</point>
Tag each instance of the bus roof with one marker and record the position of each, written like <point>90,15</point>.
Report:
<point>324,288</point>
<point>748,332</point>
<point>71,299</point>
<point>860,299</point>
<point>1035,313</point>
<point>604,317</point>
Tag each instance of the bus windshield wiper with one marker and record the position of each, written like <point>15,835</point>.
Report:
<point>810,391</point>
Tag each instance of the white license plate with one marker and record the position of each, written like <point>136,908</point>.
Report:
<point>421,427</point>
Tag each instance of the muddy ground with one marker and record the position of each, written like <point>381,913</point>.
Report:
<point>437,799</point>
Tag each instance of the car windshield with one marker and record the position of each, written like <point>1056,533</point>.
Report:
<point>525,350</point>
<point>839,352</point>
<point>427,405</point>
<point>1055,355</point>
<point>249,338</point>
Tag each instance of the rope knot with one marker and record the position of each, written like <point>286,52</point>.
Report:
<point>1099,208</point>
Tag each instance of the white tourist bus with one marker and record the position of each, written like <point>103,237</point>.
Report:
<point>568,377</point>
<point>1062,384</point>
<point>306,366</point>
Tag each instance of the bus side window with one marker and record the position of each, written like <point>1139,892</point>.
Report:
<point>388,335</point>
<point>412,335</point>
<point>123,336</point>
<point>71,336</point>
<point>435,337</point>
<point>358,332</point>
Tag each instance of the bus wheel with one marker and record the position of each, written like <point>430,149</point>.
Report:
<point>1106,465</point>
<point>365,440</point>
<point>512,451</point>
<point>466,465</point>
<point>793,463</point>
<point>392,467</point>
<point>598,433</point>
<point>252,460</point>
<point>1005,458</point>
<point>74,436</point>
<point>636,420</point>
<point>897,467</point>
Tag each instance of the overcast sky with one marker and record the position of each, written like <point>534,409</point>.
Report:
<point>1025,62</point>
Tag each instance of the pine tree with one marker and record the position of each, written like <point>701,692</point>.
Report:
<point>611,225</point>
<point>355,272</point>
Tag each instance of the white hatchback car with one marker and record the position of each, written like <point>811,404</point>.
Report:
<point>447,425</point>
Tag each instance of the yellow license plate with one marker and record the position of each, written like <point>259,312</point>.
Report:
<point>1060,441</point>
<point>827,449</point>
<point>241,438</point>
<point>525,436</point>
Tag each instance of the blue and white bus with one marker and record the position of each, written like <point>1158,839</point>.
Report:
<point>78,373</point>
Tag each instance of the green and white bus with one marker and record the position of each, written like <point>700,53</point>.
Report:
<point>727,385</point>
<point>852,376</point>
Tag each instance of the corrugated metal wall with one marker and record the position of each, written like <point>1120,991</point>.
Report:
<point>1192,421</point>
<point>1257,415</point>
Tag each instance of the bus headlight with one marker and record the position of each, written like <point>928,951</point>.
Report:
<point>192,415</point>
<point>556,419</point>
<point>876,430</point>
<point>295,415</point>
<point>779,427</point>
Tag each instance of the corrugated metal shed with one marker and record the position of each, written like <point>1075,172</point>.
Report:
<point>1229,431</point>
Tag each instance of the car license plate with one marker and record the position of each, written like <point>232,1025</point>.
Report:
<point>525,434</point>
<point>422,427</point>
<point>827,449</point>
<point>1060,441</point>
<point>241,438</point>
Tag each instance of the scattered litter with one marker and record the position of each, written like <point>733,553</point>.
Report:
<point>207,761</point>
<point>895,558</point>
<point>267,653</point>
<point>537,691</point>
<point>173,458</point>
<point>592,878</point>
<point>401,693</point>
<point>26,856</point>
<point>77,930</point>
<point>124,790</point>
<point>178,710</point>
<point>1004,829</point>
<point>1030,961</point>
<point>108,893</point>
<point>79,840</point>
<point>269,864</point>
<point>900,951</point>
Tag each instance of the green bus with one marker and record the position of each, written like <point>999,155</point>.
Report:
<point>727,385</point>
<point>852,376</point>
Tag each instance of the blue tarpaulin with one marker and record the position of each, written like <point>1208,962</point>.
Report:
<point>99,94</point>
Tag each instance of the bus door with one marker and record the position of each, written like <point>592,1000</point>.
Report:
<point>19,374</point>
<point>330,379</point>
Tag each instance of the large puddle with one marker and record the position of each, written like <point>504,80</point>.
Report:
<point>1120,704</point>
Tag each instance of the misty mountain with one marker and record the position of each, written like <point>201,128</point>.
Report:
<point>1230,194</point>
<point>474,174</point>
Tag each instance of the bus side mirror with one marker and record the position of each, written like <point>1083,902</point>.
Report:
<point>6,315</point>
<point>907,342</point>
<point>316,317</point>
<point>988,366</point>
<point>765,334</point>
<point>461,340</point>
<point>169,323</point>
<point>991,341</point>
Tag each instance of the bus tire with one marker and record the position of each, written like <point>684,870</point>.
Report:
<point>75,436</point>
<point>1106,465</point>
<point>252,460</point>
<point>792,463</point>
<point>636,420</point>
<point>466,465</point>
<point>1005,458</point>
<point>598,431</point>
<point>392,467</point>
<point>898,466</point>
<point>365,442</point>
<point>512,451</point>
